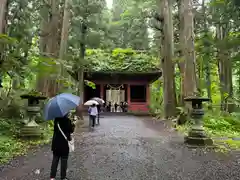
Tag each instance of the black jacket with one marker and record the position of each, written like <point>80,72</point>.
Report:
<point>59,143</point>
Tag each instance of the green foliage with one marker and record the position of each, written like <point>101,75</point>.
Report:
<point>92,14</point>
<point>10,146</point>
<point>35,93</point>
<point>112,40</point>
<point>128,27</point>
<point>6,40</point>
<point>156,106</point>
<point>219,125</point>
<point>11,105</point>
<point>120,60</point>
<point>90,84</point>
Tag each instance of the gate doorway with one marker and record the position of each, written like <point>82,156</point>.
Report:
<point>115,95</point>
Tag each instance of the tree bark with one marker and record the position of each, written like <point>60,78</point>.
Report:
<point>224,70</point>
<point>42,84</point>
<point>65,32</point>
<point>3,10</point>
<point>167,61</point>
<point>189,81</point>
<point>207,54</point>
<point>181,62</point>
<point>3,25</point>
<point>64,39</point>
<point>49,45</point>
<point>53,43</point>
<point>82,56</point>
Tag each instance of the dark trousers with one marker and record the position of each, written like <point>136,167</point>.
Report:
<point>92,119</point>
<point>54,166</point>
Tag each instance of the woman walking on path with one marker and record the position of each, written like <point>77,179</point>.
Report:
<point>60,146</point>
<point>93,112</point>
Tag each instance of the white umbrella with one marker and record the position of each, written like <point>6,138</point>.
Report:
<point>91,102</point>
<point>99,100</point>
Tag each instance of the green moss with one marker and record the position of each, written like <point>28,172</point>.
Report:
<point>120,60</point>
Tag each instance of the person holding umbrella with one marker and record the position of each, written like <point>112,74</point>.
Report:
<point>60,146</point>
<point>99,105</point>
<point>93,112</point>
<point>57,109</point>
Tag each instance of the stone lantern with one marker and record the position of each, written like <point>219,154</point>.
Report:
<point>31,128</point>
<point>197,136</point>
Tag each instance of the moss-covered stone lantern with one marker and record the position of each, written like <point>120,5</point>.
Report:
<point>31,128</point>
<point>197,136</point>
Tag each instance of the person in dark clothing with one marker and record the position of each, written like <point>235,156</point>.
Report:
<point>115,107</point>
<point>122,106</point>
<point>98,116</point>
<point>109,106</point>
<point>60,147</point>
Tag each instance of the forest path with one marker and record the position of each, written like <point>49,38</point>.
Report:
<point>131,148</point>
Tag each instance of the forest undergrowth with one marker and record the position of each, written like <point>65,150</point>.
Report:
<point>11,145</point>
<point>13,116</point>
<point>223,128</point>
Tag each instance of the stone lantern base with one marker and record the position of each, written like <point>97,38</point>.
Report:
<point>198,141</point>
<point>196,136</point>
<point>31,130</point>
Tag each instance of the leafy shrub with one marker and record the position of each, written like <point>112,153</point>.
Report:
<point>11,105</point>
<point>156,105</point>
<point>11,146</point>
<point>218,124</point>
<point>222,122</point>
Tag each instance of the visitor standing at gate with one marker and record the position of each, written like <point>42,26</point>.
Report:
<point>115,107</point>
<point>93,112</point>
<point>109,106</point>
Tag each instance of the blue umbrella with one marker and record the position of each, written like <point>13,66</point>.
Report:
<point>60,105</point>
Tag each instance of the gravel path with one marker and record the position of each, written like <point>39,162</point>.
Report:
<point>128,148</point>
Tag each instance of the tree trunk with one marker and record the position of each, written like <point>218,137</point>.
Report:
<point>3,9</point>
<point>207,54</point>
<point>44,29</point>
<point>65,32</point>
<point>49,44</point>
<point>224,70</point>
<point>64,39</point>
<point>52,44</point>
<point>42,80</point>
<point>189,81</point>
<point>181,62</point>
<point>167,61</point>
<point>81,67</point>
<point>3,25</point>
<point>82,56</point>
